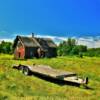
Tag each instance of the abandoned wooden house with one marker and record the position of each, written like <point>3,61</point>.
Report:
<point>29,47</point>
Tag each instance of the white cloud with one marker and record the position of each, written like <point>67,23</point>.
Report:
<point>52,37</point>
<point>7,40</point>
<point>90,42</point>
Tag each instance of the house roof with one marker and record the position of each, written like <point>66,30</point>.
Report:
<point>29,42</point>
<point>26,41</point>
<point>46,42</point>
<point>35,42</point>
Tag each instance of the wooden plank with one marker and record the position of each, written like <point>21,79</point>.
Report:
<point>48,71</point>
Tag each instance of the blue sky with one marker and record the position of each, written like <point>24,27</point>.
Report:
<point>61,18</point>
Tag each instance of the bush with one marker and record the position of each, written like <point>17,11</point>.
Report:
<point>6,47</point>
<point>69,47</point>
<point>93,52</point>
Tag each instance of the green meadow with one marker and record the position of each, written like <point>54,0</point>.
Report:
<point>16,86</point>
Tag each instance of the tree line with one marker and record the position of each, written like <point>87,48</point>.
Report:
<point>65,48</point>
<point>70,47</point>
<point>6,47</point>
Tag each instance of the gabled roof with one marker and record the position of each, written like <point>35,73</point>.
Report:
<point>35,42</point>
<point>27,41</point>
<point>46,42</point>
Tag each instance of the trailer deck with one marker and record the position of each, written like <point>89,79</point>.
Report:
<point>48,71</point>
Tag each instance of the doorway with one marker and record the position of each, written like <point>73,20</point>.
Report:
<point>19,55</point>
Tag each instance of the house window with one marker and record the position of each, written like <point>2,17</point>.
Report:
<point>31,53</point>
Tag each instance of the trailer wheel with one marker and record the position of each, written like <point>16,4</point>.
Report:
<point>26,71</point>
<point>21,69</point>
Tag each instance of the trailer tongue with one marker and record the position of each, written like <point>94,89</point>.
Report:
<point>49,72</point>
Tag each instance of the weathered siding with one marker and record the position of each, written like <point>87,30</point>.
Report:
<point>19,52</point>
<point>30,52</point>
<point>51,52</point>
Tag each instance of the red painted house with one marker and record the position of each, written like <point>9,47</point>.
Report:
<point>29,47</point>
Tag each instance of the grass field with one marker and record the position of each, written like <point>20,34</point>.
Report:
<point>15,86</point>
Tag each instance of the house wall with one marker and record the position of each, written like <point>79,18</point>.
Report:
<point>52,52</point>
<point>19,52</point>
<point>30,52</point>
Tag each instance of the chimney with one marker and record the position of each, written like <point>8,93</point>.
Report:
<point>32,35</point>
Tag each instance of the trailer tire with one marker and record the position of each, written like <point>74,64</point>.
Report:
<point>26,71</point>
<point>21,69</point>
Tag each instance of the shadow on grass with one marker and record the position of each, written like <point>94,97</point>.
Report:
<point>59,82</point>
<point>88,88</point>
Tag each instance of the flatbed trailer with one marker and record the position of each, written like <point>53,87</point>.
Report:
<point>49,72</point>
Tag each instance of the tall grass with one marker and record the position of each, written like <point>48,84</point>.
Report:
<point>14,85</point>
